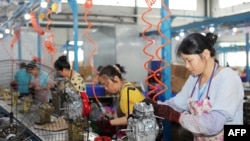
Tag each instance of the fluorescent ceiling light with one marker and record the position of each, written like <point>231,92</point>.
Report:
<point>43,4</point>
<point>27,16</point>
<point>7,31</point>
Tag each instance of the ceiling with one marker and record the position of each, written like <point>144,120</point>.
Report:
<point>12,16</point>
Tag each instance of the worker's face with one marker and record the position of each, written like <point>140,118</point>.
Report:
<point>112,86</point>
<point>61,73</point>
<point>33,71</point>
<point>195,63</point>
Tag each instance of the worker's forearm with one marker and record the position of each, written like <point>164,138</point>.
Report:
<point>119,121</point>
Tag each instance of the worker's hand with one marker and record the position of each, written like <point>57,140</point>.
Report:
<point>164,111</point>
<point>37,88</point>
<point>105,127</point>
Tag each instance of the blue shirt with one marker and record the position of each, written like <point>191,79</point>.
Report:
<point>23,79</point>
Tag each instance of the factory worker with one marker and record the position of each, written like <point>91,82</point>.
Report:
<point>22,78</point>
<point>40,83</point>
<point>211,97</point>
<point>110,77</point>
<point>62,66</point>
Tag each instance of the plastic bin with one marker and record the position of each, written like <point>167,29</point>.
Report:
<point>99,90</point>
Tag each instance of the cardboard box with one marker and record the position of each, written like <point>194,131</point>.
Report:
<point>179,70</point>
<point>177,83</point>
<point>86,72</point>
<point>179,76</point>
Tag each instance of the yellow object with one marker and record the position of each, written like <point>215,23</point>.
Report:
<point>41,16</point>
<point>134,97</point>
<point>6,95</point>
<point>54,7</point>
<point>14,98</point>
<point>27,104</point>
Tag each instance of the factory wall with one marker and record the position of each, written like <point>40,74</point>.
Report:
<point>119,43</point>
<point>28,48</point>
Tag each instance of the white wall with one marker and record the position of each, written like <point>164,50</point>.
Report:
<point>116,44</point>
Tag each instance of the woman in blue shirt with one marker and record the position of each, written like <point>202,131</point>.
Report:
<point>22,78</point>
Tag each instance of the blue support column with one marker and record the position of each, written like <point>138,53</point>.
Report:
<point>39,48</point>
<point>19,48</point>
<point>166,73</point>
<point>73,5</point>
<point>247,57</point>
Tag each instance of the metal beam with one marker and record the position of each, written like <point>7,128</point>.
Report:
<point>232,19</point>
<point>236,19</point>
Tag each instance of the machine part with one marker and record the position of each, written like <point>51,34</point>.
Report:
<point>142,124</point>
<point>45,111</point>
<point>76,104</point>
<point>73,104</point>
<point>246,112</point>
<point>12,131</point>
<point>76,131</point>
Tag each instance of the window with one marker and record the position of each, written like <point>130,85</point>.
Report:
<point>230,3</point>
<point>173,4</point>
<point>230,58</point>
<point>130,3</point>
<point>71,53</point>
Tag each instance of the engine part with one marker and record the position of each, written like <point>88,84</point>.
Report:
<point>142,124</point>
<point>45,111</point>
<point>73,104</point>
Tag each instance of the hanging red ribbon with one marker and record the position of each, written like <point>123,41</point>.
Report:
<point>15,38</point>
<point>49,43</point>
<point>164,64</point>
<point>34,23</point>
<point>151,88</point>
<point>88,4</point>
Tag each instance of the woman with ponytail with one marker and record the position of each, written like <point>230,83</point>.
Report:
<point>211,97</point>
<point>110,77</point>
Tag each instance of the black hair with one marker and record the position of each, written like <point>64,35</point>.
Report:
<point>32,65</point>
<point>112,70</point>
<point>62,63</point>
<point>22,65</point>
<point>196,43</point>
<point>99,68</point>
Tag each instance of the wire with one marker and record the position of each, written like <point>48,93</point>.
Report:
<point>87,6</point>
<point>150,42</point>
<point>49,44</point>
<point>34,23</point>
<point>158,49</point>
<point>15,38</point>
